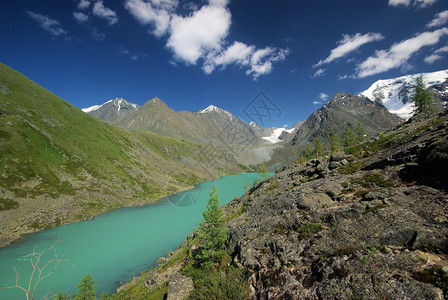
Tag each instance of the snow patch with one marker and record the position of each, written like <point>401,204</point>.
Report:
<point>214,109</point>
<point>274,138</point>
<point>393,95</point>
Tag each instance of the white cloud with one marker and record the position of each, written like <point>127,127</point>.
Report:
<point>81,17</point>
<point>50,25</point>
<point>238,53</point>
<point>261,61</point>
<point>323,96</point>
<point>424,3</point>
<point>418,3</point>
<point>201,36</point>
<point>435,56</point>
<point>203,31</point>
<point>399,2</point>
<point>398,54</point>
<point>101,11</point>
<point>439,19</point>
<point>319,73</point>
<point>155,12</point>
<point>83,4</point>
<point>350,43</point>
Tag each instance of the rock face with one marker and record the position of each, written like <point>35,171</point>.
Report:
<point>113,110</point>
<point>345,109</point>
<point>350,227</point>
<point>180,287</point>
<point>211,125</point>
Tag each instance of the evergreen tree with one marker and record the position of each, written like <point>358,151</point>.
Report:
<point>86,289</point>
<point>348,137</point>
<point>360,133</point>
<point>318,148</point>
<point>333,143</point>
<point>263,171</point>
<point>212,231</point>
<point>422,98</point>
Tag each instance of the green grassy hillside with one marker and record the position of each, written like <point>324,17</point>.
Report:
<point>59,164</point>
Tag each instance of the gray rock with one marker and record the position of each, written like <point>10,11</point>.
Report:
<point>179,287</point>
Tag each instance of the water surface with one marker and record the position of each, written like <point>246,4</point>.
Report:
<point>117,245</point>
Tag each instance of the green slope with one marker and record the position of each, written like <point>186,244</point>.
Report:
<point>58,164</point>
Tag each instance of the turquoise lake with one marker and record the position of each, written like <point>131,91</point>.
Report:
<point>116,246</point>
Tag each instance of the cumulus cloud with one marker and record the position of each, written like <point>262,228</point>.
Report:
<point>83,4</point>
<point>158,13</point>
<point>50,25</point>
<point>81,17</point>
<point>201,32</point>
<point>101,11</point>
<point>439,19</point>
<point>348,44</point>
<point>418,3</point>
<point>398,54</point>
<point>436,55</point>
<point>201,36</point>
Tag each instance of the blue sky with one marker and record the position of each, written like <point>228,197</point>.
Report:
<point>195,53</point>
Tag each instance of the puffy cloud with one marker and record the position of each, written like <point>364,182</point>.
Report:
<point>203,31</point>
<point>50,25</point>
<point>436,55</point>
<point>101,11</point>
<point>83,4</point>
<point>261,61</point>
<point>201,36</point>
<point>348,44</point>
<point>439,19</point>
<point>398,54</point>
<point>323,96</point>
<point>155,12</point>
<point>238,53</point>
<point>81,17</point>
<point>424,3</point>
<point>399,2</point>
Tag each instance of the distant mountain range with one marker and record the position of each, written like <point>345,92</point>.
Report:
<point>396,93</point>
<point>212,125</point>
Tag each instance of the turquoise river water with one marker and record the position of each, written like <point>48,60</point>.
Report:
<point>114,246</point>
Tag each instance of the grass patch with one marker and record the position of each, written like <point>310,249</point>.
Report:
<point>351,167</point>
<point>375,208</point>
<point>7,204</point>
<point>372,181</point>
<point>308,230</point>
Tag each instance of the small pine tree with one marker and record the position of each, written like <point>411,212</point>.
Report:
<point>309,152</point>
<point>348,137</point>
<point>422,98</point>
<point>360,132</point>
<point>318,148</point>
<point>86,289</point>
<point>212,231</point>
<point>263,171</point>
<point>333,143</point>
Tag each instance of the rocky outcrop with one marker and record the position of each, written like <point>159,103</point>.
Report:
<point>350,227</point>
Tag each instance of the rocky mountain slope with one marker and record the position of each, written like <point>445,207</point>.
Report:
<point>343,109</point>
<point>211,125</point>
<point>59,165</point>
<point>367,224</point>
<point>395,94</point>
<point>112,111</point>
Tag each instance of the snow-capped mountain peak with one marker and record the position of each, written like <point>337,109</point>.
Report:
<point>117,102</point>
<point>395,94</point>
<point>215,109</point>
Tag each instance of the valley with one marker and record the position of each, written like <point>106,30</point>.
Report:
<point>62,165</point>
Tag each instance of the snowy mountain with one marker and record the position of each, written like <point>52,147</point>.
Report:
<point>112,111</point>
<point>273,134</point>
<point>395,94</point>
